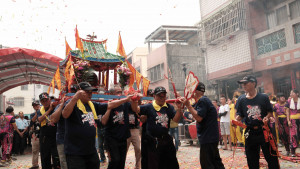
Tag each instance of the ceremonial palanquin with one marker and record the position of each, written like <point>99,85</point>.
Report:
<point>92,63</point>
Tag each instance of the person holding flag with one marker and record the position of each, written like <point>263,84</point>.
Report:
<point>205,115</point>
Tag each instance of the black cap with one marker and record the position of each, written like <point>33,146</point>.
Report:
<point>150,92</point>
<point>200,87</point>
<point>86,86</point>
<point>159,89</point>
<point>248,78</point>
<point>35,103</point>
<point>44,96</point>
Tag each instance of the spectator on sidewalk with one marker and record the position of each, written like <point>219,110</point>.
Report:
<point>8,121</point>
<point>22,125</point>
<point>224,115</point>
<point>34,133</point>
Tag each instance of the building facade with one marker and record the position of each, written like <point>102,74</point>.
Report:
<point>257,37</point>
<point>21,97</point>
<point>175,58</point>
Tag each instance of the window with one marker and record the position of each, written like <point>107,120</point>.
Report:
<point>45,88</point>
<point>157,72</point>
<point>282,15</point>
<point>272,21</point>
<point>130,60</point>
<point>278,17</point>
<point>297,32</point>
<point>18,101</point>
<point>271,42</point>
<point>295,9</point>
<point>225,22</point>
<point>24,87</point>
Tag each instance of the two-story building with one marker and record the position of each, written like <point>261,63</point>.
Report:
<point>257,37</point>
<point>178,54</point>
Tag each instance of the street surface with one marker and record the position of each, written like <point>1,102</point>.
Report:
<point>188,157</point>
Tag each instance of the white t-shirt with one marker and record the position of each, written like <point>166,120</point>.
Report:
<point>222,109</point>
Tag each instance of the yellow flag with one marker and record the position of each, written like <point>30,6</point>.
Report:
<point>79,44</point>
<point>57,79</point>
<point>120,48</point>
<point>146,83</point>
<point>53,85</point>
<point>138,78</point>
<point>68,48</point>
<point>131,77</point>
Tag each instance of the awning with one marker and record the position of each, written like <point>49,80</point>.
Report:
<point>19,66</point>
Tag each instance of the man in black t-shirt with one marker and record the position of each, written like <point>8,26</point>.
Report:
<point>47,133</point>
<point>80,127</point>
<point>255,108</point>
<point>116,122</point>
<point>160,147</point>
<point>135,137</point>
<point>205,114</point>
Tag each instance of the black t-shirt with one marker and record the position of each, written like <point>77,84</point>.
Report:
<point>118,123</point>
<point>207,129</point>
<point>49,129</point>
<point>158,122</point>
<point>80,130</point>
<point>133,119</point>
<point>253,110</point>
<point>60,133</point>
<point>35,125</point>
<point>188,115</point>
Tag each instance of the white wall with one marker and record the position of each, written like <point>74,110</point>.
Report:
<point>207,6</point>
<point>28,95</point>
<point>228,53</point>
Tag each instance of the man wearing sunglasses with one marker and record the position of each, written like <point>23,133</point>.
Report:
<point>160,147</point>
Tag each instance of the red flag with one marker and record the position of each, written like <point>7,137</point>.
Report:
<point>79,44</point>
<point>120,48</point>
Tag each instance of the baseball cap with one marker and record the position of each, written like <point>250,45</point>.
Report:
<point>44,96</point>
<point>248,78</point>
<point>159,89</point>
<point>150,92</point>
<point>35,103</point>
<point>86,86</point>
<point>200,87</point>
